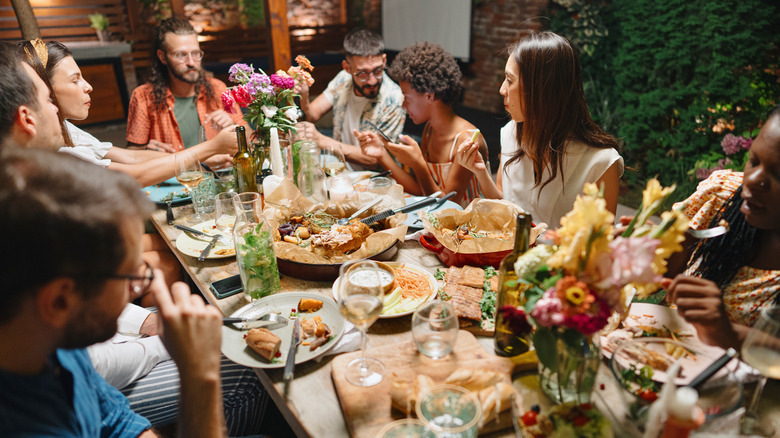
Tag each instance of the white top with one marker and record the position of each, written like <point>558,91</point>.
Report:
<point>86,146</point>
<point>127,357</point>
<point>581,164</point>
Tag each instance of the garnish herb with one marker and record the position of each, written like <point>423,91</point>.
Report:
<point>439,274</point>
<point>259,263</point>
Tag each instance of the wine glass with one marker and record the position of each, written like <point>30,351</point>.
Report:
<point>333,159</point>
<point>189,173</point>
<point>360,301</point>
<point>761,350</point>
<point>224,212</point>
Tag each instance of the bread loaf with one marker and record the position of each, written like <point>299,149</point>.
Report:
<point>494,400</point>
<point>475,380</point>
<point>264,342</point>
<point>404,394</point>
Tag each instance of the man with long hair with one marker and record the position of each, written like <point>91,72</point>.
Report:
<point>360,95</point>
<point>167,112</point>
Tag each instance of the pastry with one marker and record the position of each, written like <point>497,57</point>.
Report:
<point>264,342</point>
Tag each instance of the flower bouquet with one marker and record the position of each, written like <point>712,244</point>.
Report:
<point>585,277</point>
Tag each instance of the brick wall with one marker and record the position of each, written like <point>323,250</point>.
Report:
<point>313,12</point>
<point>495,24</point>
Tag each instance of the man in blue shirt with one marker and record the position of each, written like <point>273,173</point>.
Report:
<point>75,229</point>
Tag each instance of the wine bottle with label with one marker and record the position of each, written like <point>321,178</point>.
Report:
<point>513,332</point>
<point>244,165</point>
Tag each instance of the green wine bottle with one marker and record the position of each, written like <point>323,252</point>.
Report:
<point>512,328</point>
<point>244,165</point>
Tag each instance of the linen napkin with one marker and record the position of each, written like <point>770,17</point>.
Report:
<point>350,341</point>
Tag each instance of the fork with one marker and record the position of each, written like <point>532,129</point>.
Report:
<point>221,237</point>
<point>708,233</point>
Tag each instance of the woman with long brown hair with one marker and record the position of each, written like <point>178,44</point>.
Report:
<point>552,147</point>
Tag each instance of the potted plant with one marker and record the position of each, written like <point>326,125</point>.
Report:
<point>100,23</point>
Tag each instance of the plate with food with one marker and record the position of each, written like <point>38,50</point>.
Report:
<point>321,323</point>
<point>415,219</point>
<point>409,287</point>
<point>646,320</point>
<point>168,191</point>
<point>193,245</point>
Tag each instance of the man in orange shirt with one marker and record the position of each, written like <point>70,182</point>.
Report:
<point>167,113</point>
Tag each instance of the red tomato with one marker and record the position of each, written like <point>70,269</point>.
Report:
<point>648,395</point>
<point>580,420</point>
<point>529,418</point>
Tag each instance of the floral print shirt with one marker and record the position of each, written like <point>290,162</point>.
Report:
<point>751,289</point>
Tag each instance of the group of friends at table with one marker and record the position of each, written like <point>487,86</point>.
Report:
<point>77,359</point>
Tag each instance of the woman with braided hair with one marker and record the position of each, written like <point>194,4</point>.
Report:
<point>730,278</point>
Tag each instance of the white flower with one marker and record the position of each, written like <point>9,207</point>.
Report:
<point>292,114</point>
<point>532,260</point>
<point>269,111</point>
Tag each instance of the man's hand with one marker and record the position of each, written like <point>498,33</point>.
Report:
<point>306,131</point>
<point>156,145</point>
<point>302,88</point>
<point>469,157</point>
<point>220,118</point>
<point>191,331</point>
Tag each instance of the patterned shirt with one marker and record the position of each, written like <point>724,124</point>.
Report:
<point>145,121</point>
<point>384,111</point>
<point>68,399</point>
<point>751,289</point>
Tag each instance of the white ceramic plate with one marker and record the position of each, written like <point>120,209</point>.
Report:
<point>234,346</point>
<point>158,192</point>
<point>412,266</point>
<point>193,245</point>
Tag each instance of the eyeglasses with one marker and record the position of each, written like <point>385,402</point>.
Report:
<point>138,283</point>
<point>196,55</point>
<point>363,76</point>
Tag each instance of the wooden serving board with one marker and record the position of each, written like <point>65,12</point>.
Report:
<point>366,410</point>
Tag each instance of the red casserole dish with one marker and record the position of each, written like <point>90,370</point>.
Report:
<point>450,258</point>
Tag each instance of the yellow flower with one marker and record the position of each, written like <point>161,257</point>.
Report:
<point>654,193</point>
<point>584,231</point>
<point>670,239</point>
<point>575,295</point>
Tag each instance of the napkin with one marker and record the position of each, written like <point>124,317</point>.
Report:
<point>416,235</point>
<point>350,341</point>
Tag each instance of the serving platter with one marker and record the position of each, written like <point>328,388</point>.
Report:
<point>234,346</point>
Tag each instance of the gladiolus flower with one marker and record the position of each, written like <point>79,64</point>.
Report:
<point>241,95</point>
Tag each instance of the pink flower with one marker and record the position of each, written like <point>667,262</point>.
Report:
<point>731,144</point>
<point>746,143</point>
<point>228,101</point>
<point>282,82</point>
<point>723,162</point>
<point>242,96</point>
<point>547,311</point>
<point>632,260</point>
<point>703,174</point>
<point>589,323</point>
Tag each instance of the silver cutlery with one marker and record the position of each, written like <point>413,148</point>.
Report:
<point>708,233</point>
<point>269,320</point>
<point>442,200</point>
<point>363,209</point>
<point>223,239</point>
<point>289,366</point>
<point>207,249</point>
<point>713,368</point>
<point>411,207</point>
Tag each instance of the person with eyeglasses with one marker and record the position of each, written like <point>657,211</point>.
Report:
<point>77,243</point>
<point>167,113</point>
<point>360,95</point>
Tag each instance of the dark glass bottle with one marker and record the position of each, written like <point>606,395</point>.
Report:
<point>512,329</point>
<point>244,165</point>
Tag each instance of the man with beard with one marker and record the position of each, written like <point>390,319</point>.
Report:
<point>359,95</point>
<point>77,256</point>
<point>167,112</point>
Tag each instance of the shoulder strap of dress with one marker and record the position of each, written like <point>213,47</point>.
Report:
<point>455,142</point>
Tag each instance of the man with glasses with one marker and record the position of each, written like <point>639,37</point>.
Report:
<point>167,113</point>
<point>360,95</point>
<point>77,255</point>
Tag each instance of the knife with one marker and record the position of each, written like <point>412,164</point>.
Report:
<point>289,367</point>
<point>411,207</point>
<point>207,249</point>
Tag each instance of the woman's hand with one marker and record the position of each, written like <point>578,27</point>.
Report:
<point>227,142</point>
<point>700,302</point>
<point>407,152</point>
<point>156,145</point>
<point>371,144</point>
<point>469,157</point>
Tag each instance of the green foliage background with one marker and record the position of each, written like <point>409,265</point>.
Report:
<point>661,74</point>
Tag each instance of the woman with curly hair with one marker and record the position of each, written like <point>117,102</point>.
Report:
<point>431,81</point>
<point>729,279</point>
<point>552,147</point>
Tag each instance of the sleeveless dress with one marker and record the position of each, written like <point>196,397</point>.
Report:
<point>440,171</point>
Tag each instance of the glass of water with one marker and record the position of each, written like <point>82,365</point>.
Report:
<point>435,329</point>
<point>450,411</point>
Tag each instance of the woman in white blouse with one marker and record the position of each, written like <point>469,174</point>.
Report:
<point>559,148</point>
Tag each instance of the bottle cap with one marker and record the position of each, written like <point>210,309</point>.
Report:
<point>683,404</point>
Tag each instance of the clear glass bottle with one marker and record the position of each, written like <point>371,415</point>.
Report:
<point>311,178</point>
<point>244,165</point>
<point>255,254</point>
<point>513,332</point>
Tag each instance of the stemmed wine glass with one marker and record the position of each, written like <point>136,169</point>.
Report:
<point>761,350</point>
<point>333,159</point>
<point>189,173</point>
<point>360,301</point>
<point>224,211</point>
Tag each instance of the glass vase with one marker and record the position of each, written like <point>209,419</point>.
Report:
<point>255,253</point>
<point>568,364</point>
<point>261,151</point>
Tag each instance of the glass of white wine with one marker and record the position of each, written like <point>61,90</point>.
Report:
<point>189,173</point>
<point>360,301</point>
<point>761,350</point>
<point>333,162</point>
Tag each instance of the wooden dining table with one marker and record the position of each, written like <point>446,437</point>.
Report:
<point>310,404</point>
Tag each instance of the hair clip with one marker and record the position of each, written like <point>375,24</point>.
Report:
<point>40,50</point>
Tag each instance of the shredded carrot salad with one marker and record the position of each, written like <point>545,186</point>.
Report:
<point>413,284</point>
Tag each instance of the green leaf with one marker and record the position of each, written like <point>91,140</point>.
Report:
<point>545,343</point>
